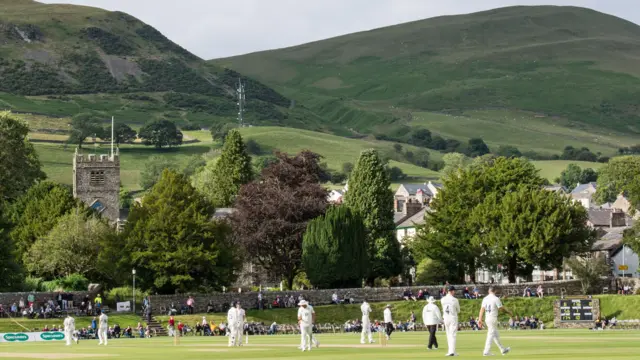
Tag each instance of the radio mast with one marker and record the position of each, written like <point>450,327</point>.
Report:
<point>241,102</point>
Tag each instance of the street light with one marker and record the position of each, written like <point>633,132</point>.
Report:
<point>133,272</point>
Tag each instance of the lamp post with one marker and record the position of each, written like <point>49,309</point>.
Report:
<point>133,272</point>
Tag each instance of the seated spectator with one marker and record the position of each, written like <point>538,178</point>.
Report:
<point>512,324</point>
<point>273,329</point>
<point>605,322</point>
<point>223,329</point>
<point>128,332</point>
<point>334,299</point>
<point>598,324</point>
<point>210,307</point>
<point>420,295</point>
<point>527,292</point>
<point>140,330</point>
<point>540,291</point>
<point>466,293</point>
<point>473,324</point>
<point>408,295</point>
<point>117,331</point>
<point>476,293</point>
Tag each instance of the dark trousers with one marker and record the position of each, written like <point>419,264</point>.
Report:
<point>433,342</point>
<point>389,329</point>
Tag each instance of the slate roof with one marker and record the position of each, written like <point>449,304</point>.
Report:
<point>412,221</point>
<point>584,187</point>
<point>222,213</point>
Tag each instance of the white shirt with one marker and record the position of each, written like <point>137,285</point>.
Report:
<point>241,316</point>
<point>306,315</point>
<point>431,314</point>
<point>366,310</point>
<point>103,321</point>
<point>69,324</point>
<point>232,316</point>
<point>387,316</point>
<point>450,306</point>
<point>491,305</point>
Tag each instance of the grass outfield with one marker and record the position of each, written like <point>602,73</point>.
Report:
<point>548,344</point>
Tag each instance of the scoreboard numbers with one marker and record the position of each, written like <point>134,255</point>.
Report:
<point>576,310</point>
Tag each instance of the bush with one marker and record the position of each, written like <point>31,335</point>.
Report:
<point>190,127</point>
<point>125,293</point>
<point>33,284</point>
<point>73,282</point>
<point>431,272</point>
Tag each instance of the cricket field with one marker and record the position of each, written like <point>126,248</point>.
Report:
<point>533,344</point>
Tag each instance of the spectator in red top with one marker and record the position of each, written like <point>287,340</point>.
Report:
<point>180,328</point>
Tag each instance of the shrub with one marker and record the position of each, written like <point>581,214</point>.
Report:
<point>73,282</point>
<point>33,284</point>
<point>125,293</point>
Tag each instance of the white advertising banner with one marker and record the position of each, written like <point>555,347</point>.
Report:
<point>31,336</point>
<point>123,306</point>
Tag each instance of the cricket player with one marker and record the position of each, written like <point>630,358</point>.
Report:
<point>491,305</point>
<point>232,321</point>
<point>70,329</point>
<point>450,310</point>
<point>242,318</point>
<point>366,322</point>
<point>431,317</point>
<point>388,321</point>
<point>103,328</point>
<point>306,318</point>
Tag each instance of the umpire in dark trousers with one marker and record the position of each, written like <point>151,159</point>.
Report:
<point>432,318</point>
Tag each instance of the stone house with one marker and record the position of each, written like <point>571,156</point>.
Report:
<point>423,193</point>
<point>583,193</point>
<point>406,227</point>
<point>607,218</point>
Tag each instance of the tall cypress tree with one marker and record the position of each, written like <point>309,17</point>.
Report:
<point>334,249</point>
<point>370,196</point>
<point>220,181</point>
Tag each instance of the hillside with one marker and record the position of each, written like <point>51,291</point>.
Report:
<point>569,65</point>
<point>60,60</point>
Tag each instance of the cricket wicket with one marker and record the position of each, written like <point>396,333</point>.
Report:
<point>382,338</point>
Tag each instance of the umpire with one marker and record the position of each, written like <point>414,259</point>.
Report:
<point>432,318</point>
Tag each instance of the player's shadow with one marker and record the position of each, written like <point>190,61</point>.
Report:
<point>615,314</point>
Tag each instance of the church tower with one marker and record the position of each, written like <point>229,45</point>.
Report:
<point>96,181</point>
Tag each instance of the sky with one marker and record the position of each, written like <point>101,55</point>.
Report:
<point>222,28</point>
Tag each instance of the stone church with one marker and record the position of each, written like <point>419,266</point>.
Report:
<point>96,181</point>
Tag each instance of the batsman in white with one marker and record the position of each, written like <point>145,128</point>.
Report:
<point>491,305</point>
<point>242,318</point>
<point>306,318</point>
<point>232,320</point>
<point>103,328</point>
<point>450,310</point>
<point>366,322</point>
<point>70,329</point>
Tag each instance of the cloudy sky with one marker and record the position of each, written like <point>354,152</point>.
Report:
<point>220,28</point>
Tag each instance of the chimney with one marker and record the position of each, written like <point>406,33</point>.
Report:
<point>618,218</point>
<point>411,207</point>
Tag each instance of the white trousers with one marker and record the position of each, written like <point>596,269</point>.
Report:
<point>366,331</point>
<point>233,334</point>
<point>306,332</point>
<point>68,335</point>
<point>451,327</point>
<point>239,332</point>
<point>102,336</point>
<point>492,335</point>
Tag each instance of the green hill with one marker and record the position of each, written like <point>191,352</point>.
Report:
<point>574,67</point>
<point>60,60</point>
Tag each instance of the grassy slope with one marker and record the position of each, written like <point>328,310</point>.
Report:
<point>572,63</point>
<point>623,308</point>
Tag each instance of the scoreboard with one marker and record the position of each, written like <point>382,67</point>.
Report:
<point>575,310</point>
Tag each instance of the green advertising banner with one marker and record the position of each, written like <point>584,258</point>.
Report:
<point>31,336</point>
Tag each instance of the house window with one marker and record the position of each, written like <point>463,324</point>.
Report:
<point>400,206</point>
<point>96,178</point>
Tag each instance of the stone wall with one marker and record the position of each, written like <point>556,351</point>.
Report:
<point>249,300</point>
<point>7,299</point>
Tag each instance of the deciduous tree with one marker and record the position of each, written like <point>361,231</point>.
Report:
<point>123,134</point>
<point>161,133</point>
<point>71,247</point>
<point>272,213</point>
<point>19,164</point>
<point>36,212</point>
<point>529,227</point>
<point>449,232</point>
<point>10,271</point>
<point>152,170</point>
<point>174,244</point>
<point>574,175</point>
<point>616,177</point>
<point>85,125</point>
<point>370,196</point>
<point>334,249</point>
<point>477,147</point>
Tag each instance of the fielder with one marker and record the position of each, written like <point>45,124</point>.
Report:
<point>306,319</point>
<point>492,305</point>
<point>103,328</point>
<point>388,321</point>
<point>242,318</point>
<point>431,317</point>
<point>450,310</point>
<point>366,323</point>
<point>314,341</point>
<point>70,329</point>
<point>232,320</point>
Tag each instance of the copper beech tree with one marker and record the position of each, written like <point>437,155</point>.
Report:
<point>272,213</point>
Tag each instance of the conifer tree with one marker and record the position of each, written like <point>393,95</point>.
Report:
<point>370,196</point>
<point>221,179</point>
<point>334,249</point>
